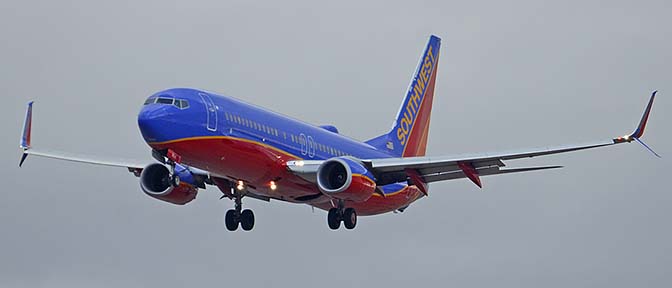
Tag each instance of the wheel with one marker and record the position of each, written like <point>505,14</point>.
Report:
<point>175,181</point>
<point>333,219</point>
<point>349,218</point>
<point>230,220</point>
<point>247,219</point>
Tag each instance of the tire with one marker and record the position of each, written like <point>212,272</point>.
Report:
<point>247,219</point>
<point>230,220</point>
<point>333,219</point>
<point>175,181</point>
<point>349,218</point>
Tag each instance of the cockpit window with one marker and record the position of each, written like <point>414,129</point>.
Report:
<point>162,100</point>
<point>179,103</point>
<point>182,104</point>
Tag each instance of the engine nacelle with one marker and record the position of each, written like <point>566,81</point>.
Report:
<point>345,178</point>
<point>155,181</point>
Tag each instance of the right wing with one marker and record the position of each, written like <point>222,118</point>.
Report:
<point>133,166</point>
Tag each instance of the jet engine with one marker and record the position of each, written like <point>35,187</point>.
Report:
<point>346,179</point>
<point>157,181</point>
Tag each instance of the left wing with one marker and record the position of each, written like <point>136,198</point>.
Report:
<point>423,170</point>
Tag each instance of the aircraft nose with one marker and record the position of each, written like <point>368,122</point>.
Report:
<point>152,122</point>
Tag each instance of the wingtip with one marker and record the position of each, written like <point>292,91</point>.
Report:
<point>639,132</point>
<point>27,127</point>
<point>648,148</point>
<point>23,159</point>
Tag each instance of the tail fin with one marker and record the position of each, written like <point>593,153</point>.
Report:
<point>411,128</point>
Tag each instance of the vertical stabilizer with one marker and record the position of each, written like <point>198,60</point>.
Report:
<point>409,134</point>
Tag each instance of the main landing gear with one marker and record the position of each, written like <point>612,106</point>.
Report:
<point>238,216</point>
<point>347,215</point>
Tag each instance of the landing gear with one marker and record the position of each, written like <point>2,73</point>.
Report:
<point>333,219</point>
<point>170,158</point>
<point>231,220</point>
<point>347,215</point>
<point>238,216</point>
<point>247,220</point>
<point>349,218</point>
<point>175,180</point>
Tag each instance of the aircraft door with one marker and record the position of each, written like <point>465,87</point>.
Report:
<point>211,111</point>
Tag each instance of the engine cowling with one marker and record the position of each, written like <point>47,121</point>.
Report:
<point>345,178</point>
<point>155,181</point>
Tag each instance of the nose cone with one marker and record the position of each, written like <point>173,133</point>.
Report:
<point>153,121</point>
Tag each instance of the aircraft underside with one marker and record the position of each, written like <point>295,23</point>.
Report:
<point>261,169</point>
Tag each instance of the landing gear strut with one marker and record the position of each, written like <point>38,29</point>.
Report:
<point>171,159</point>
<point>238,216</point>
<point>338,214</point>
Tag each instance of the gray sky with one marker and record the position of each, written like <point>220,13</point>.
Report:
<point>512,74</point>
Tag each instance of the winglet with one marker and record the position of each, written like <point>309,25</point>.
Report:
<point>639,131</point>
<point>25,136</point>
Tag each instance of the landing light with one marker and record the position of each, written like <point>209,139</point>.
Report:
<point>299,163</point>
<point>273,186</point>
<point>241,185</point>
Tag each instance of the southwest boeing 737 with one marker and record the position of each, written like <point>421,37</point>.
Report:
<point>200,138</point>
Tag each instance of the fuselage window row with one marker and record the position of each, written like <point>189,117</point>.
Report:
<point>275,132</point>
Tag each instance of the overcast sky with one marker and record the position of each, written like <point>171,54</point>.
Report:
<point>512,74</point>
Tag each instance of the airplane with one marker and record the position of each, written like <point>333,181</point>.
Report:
<point>200,138</point>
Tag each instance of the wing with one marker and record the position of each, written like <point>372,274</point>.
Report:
<point>132,165</point>
<point>423,170</point>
